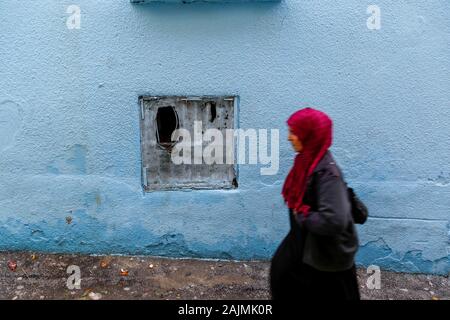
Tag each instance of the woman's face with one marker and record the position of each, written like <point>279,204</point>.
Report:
<point>295,141</point>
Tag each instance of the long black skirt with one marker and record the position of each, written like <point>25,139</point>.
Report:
<point>290,278</point>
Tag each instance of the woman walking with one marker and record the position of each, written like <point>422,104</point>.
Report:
<point>316,258</point>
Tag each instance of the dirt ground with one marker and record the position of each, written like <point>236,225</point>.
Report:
<point>26,275</point>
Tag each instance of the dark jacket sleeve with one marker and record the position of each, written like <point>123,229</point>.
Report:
<point>333,207</point>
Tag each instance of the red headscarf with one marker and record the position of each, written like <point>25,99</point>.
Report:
<point>314,129</point>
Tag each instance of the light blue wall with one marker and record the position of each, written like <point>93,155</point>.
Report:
<point>69,122</point>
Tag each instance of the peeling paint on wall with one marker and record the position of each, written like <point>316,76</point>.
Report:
<point>378,253</point>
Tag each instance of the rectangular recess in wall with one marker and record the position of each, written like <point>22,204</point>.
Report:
<point>160,116</point>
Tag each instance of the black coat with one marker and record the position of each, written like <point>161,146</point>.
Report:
<point>327,235</point>
<point>316,258</point>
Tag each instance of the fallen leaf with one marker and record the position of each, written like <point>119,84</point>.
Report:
<point>86,292</point>
<point>12,265</point>
<point>123,272</point>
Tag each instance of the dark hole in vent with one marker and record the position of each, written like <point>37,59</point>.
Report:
<point>167,123</point>
<point>212,105</point>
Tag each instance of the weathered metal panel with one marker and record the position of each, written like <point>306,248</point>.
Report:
<point>159,172</point>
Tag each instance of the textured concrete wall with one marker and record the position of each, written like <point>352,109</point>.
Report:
<point>69,122</point>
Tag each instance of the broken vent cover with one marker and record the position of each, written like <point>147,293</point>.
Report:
<point>160,117</point>
<point>166,123</point>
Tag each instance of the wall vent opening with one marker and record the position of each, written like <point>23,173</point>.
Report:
<point>166,123</point>
<point>213,110</point>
